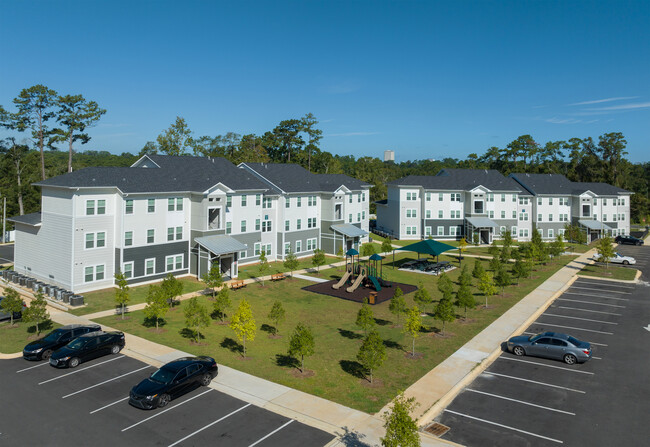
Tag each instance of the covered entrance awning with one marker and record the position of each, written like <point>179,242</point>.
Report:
<point>481,222</point>
<point>220,245</point>
<point>594,225</point>
<point>349,230</point>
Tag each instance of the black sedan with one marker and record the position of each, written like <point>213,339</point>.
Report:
<point>42,349</point>
<point>552,345</point>
<point>626,239</point>
<point>87,347</point>
<point>173,380</point>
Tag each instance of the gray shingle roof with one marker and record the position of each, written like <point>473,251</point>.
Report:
<point>461,180</point>
<point>558,184</point>
<point>28,219</point>
<point>176,173</point>
<point>294,178</point>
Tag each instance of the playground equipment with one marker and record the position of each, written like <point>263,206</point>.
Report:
<point>375,273</point>
<point>343,280</point>
<point>362,275</point>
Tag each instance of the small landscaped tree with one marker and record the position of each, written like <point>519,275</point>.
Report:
<point>444,311</point>
<point>465,297</point>
<point>368,249</point>
<point>222,303</point>
<point>494,249</point>
<point>291,262</point>
<point>413,325</point>
<point>495,264</point>
<point>386,246</point>
<point>557,246</point>
<point>502,278</point>
<point>122,292</point>
<point>243,323</point>
<point>465,277</point>
<point>462,245</point>
<point>397,305</point>
<point>520,269</point>
<point>340,253</point>
<point>276,315</point>
<point>486,286</point>
<point>172,288</point>
<point>37,312</point>
<point>372,352</point>
<point>445,285</point>
<point>401,428</point>
<point>263,266</point>
<point>422,296</point>
<point>301,344</point>
<point>318,259</point>
<point>196,317</point>
<point>478,270</point>
<point>504,254</point>
<point>475,239</point>
<point>365,318</point>
<point>12,303</point>
<point>157,306</point>
<point>605,250</point>
<point>213,278</point>
<point>507,238</point>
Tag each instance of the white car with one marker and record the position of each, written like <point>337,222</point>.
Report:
<point>618,259</point>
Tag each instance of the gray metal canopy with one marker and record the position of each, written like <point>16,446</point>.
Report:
<point>220,245</point>
<point>349,230</point>
<point>594,225</point>
<point>481,222</point>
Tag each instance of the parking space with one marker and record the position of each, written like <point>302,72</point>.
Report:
<point>89,404</point>
<point>530,401</point>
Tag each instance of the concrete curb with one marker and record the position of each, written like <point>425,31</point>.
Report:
<point>15,355</point>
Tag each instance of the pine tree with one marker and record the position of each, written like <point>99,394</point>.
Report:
<point>397,304</point>
<point>243,323</point>
<point>401,428</point>
<point>413,325</point>
<point>465,297</point>
<point>495,264</point>
<point>502,278</point>
<point>276,315</point>
<point>222,303</point>
<point>196,317</point>
<point>372,352</point>
<point>122,292</point>
<point>478,270</point>
<point>291,262</point>
<point>444,311</point>
<point>465,277</point>
<point>445,285</point>
<point>365,318</point>
<point>301,344</point>
<point>422,296</point>
<point>493,250</point>
<point>37,312</point>
<point>557,246</point>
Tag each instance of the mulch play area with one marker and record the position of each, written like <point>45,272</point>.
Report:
<point>385,294</point>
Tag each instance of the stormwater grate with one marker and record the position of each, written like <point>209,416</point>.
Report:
<point>437,429</point>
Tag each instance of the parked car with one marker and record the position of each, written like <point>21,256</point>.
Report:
<point>87,347</point>
<point>7,315</point>
<point>618,259</point>
<point>173,380</point>
<point>551,345</point>
<point>42,349</point>
<point>627,239</point>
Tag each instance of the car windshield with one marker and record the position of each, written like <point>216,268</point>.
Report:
<point>53,336</point>
<point>534,337</point>
<point>76,343</point>
<point>163,376</point>
<point>574,341</point>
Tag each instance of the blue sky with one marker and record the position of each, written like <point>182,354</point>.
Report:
<point>427,79</point>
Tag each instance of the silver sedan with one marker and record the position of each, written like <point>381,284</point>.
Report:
<point>552,345</point>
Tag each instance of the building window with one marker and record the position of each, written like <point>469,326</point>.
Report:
<point>428,197</point>
<point>179,233</point>
<point>242,226</point>
<point>595,201</point>
<point>101,239</point>
<point>174,262</point>
<point>440,216</point>
<point>490,197</point>
<point>363,215</point>
<point>150,236</point>
<point>311,222</point>
<point>149,265</point>
<point>244,199</point>
<point>298,246</point>
<point>358,217</point>
<point>514,214</point>
<point>350,218</point>
<point>441,231</point>
<point>564,217</point>
<point>539,217</point>
<point>427,231</point>
<point>503,214</point>
<point>298,224</point>
<point>287,202</point>
<point>258,199</point>
<point>350,197</point>
<point>267,249</point>
<point>228,201</point>
<point>456,214</point>
<point>128,238</point>
<point>287,248</point>
<point>90,240</point>
<point>257,225</point>
<point>550,218</point>
<point>228,227</point>
<point>101,207</point>
<point>550,200</point>
<point>90,207</point>
<point>258,248</point>
<point>490,214</point>
<point>550,233</point>
<point>455,197</point>
<point>363,196</point>
<point>311,200</point>
<point>614,217</point>
<point>452,230</point>
<point>151,205</point>
<point>503,197</point>
<point>89,273</point>
<point>561,232</point>
<point>539,201</point>
<point>127,270</point>
<point>299,201</point>
<point>411,213</point>
<point>267,202</point>
<point>170,234</point>
<point>171,204</point>
<point>128,208</point>
<point>523,200</point>
<point>513,231</point>
<point>502,230</point>
<point>440,197</point>
<point>514,197</point>
<point>427,214</point>
<point>179,204</point>
<point>523,216</point>
<point>242,254</point>
<point>266,226</point>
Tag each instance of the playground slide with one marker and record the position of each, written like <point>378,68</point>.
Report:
<point>356,283</point>
<point>343,280</point>
<point>375,283</point>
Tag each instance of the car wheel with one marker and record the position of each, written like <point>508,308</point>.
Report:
<point>46,354</point>
<point>570,359</point>
<point>626,262</point>
<point>518,350</point>
<point>163,400</point>
<point>74,362</point>
<point>115,349</point>
<point>206,379</point>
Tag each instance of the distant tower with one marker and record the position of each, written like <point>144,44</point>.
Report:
<point>389,155</point>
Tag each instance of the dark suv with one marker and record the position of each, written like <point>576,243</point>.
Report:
<point>42,349</point>
<point>627,239</point>
<point>87,347</point>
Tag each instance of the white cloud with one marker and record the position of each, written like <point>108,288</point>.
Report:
<point>599,101</point>
<point>556,120</point>
<point>630,106</point>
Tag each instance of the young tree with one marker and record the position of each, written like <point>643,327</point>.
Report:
<point>222,303</point>
<point>422,296</point>
<point>157,306</point>
<point>372,352</point>
<point>37,312</point>
<point>171,288</point>
<point>495,264</point>
<point>507,238</point>
<point>386,246</point>
<point>486,286</point>
<point>264,265</point>
<point>465,277</point>
<point>475,239</point>
<point>401,428</point>
<point>301,344</point>
<point>605,250</point>
<point>397,304</point>
<point>196,317</point>
<point>291,262</point>
<point>243,323</point>
<point>318,259</point>
<point>445,285</point>
<point>557,246</point>
<point>465,297</point>
<point>494,249</point>
<point>340,253</point>
<point>368,249</point>
<point>478,270</point>
<point>213,278</point>
<point>276,315</point>
<point>520,269</point>
<point>462,245</point>
<point>502,278</point>
<point>12,303</point>
<point>444,311</point>
<point>413,325</point>
<point>365,318</point>
<point>504,254</point>
<point>74,115</point>
<point>122,292</point>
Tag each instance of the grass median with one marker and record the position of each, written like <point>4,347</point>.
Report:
<point>609,272</point>
<point>14,338</point>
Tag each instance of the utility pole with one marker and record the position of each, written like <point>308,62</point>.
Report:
<point>4,221</point>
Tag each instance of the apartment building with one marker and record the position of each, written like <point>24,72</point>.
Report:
<point>178,215</point>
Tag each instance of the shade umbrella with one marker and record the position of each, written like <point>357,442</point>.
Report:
<point>427,246</point>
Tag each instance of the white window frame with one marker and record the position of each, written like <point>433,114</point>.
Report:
<point>441,230</point>
<point>125,239</point>
<point>146,273</point>
<point>128,272</point>
<point>298,246</point>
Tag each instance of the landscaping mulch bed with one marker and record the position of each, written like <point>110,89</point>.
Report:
<point>385,294</point>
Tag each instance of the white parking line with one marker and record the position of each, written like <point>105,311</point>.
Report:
<point>520,401</point>
<point>273,432</point>
<point>209,425</point>
<point>590,302</point>
<point>32,367</point>
<point>596,358</point>
<point>578,318</point>
<point>534,381</point>
<point>105,381</point>
<point>166,410</point>
<point>596,296</point>
<point>602,283</point>
<point>80,370</point>
<point>600,290</point>
<point>589,310</point>
<point>109,405</point>
<point>591,342</point>
<point>504,426</point>
<point>574,328</point>
<point>543,364</point>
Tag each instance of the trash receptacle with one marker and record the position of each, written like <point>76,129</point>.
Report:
<point>372,298</point>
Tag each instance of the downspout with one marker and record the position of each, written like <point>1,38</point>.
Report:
<point>74,214</point>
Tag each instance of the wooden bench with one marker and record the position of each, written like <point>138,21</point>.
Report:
<point>237,284</point>
<point>277,276</point>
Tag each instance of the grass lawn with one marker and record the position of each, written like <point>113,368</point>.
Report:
<point>610,272</point>
<point>253,270</point>
<point>14,338</point>
<point>105,299</point>
<point>336,373</point>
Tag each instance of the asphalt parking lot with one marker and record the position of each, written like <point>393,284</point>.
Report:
<point>529,401</point>
<point>88,405</point>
